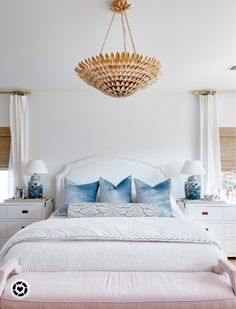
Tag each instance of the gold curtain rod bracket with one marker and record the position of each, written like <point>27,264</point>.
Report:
<point>205,92</point>
<point>213,92</point>
<point>16,92</point>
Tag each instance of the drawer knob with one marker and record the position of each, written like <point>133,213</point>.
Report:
<point>25,211</point>
<point>207,229</point>
<point>205,213</point>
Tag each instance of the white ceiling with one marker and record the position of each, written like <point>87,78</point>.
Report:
<point>42,41</point>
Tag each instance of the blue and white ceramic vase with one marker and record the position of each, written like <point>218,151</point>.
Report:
<point>35,188</point>
<point>192,188</point>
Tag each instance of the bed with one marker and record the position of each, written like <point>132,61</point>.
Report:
<point>112,262</point>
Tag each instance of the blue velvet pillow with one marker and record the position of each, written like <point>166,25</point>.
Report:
<point>159,194</point>
<point>122,193</point>
<point>74,193</point>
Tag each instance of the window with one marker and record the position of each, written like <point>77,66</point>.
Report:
<point>228,160</point>
<point>5,141</point>
<point>3,184</point>
<point>228,148</point>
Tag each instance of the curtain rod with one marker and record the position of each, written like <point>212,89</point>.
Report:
<point>15,92</point>
<point>207,92</point>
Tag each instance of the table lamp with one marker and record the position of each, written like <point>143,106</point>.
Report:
<point>192,186</point>
<point>35,188</point>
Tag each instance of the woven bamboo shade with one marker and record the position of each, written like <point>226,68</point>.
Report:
<point>5,141</point>
<point>228,148</point>
<point>122,74</point>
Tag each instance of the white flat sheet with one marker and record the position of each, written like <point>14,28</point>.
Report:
<point>114,256</point>
<point>114,244</point>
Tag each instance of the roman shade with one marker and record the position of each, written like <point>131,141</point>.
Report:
<point>228,148</point>
<point>5,142</point>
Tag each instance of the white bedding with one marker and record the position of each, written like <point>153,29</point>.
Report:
<point>113,244</point>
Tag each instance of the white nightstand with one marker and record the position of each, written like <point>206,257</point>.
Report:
<point>217,217</point>
<point>17,214</point>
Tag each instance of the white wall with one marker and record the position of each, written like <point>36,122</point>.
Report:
<point>227,110</point>
<point>154,126</point>
<point>4,110</point>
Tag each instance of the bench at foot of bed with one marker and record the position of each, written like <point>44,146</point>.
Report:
<point>125,290</point>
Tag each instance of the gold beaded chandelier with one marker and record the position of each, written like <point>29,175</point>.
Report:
<point>122,74</point>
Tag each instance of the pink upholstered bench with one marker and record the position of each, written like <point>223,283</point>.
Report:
<point>126,290</point>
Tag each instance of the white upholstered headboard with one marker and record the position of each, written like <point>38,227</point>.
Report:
<point>114,168</point>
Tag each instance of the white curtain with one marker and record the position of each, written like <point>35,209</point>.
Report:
<point>19,141</point>
<point>210,144</point>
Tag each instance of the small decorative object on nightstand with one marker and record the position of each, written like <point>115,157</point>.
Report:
<point>16,214</point>
<point>211,197</point>
<point>35,188</point>
<point>192,186</point>
<point>20,193</point>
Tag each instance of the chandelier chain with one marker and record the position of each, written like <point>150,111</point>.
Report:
<point>124,31</point>
<point>107,34</point>
<point>123,20</point>
<point>130,33</point>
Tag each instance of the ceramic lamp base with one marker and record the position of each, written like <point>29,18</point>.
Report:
<point>192,190</point>
<point>35,188</point>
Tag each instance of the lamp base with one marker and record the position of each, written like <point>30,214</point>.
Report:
<point>35,188</point>
<point>192,190</point>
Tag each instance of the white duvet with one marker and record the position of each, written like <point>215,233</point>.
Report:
<point>113,244</point>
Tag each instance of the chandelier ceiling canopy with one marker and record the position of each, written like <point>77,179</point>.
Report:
<point>121,74</point>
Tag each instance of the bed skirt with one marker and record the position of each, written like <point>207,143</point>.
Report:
<point>121,290</point>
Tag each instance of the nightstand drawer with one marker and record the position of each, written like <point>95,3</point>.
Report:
<point>15,226</point>
<point>24,212</point>
<point>205,213</point>
<point>229,213</point>
<point>214,228</point>
<point>230,230</point>
<point>3,212</point>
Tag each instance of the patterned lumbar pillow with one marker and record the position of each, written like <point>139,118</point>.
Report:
<point>112,210</point>
<point>159,194</point>
<point>75,193</point>
<point>122,193</point>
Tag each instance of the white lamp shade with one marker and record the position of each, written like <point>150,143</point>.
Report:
<point>193,168</point>
<point>36,166</point>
